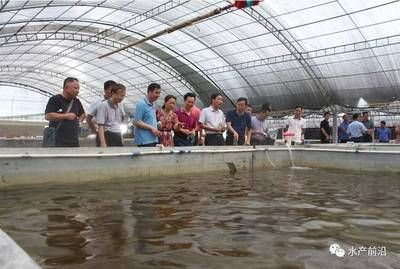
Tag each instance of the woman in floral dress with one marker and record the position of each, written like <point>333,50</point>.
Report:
<point>167,121</point>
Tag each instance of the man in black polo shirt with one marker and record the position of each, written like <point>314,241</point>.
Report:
<point>67,123</point>
<point>238,122</point>
<point>325,129</point>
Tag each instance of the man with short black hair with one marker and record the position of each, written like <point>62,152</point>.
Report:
<point>297,125</point>
<point>65,111</point>
<point>238,123</point>
<point>212,120</point>
<point>383,133</point>
<point>367,137</point>
<point>145,119</point>
<point>185,136</point>
<point>259,132</point>
<point>92,111</point>
<point>356,129</point>
<point>325,130</point>
<point>110,116</point>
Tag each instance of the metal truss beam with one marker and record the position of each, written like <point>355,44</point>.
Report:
<point>25,37</point>
<point>26,86</point>
<point>295,52</point>
<point>23,69</point>
<point>320,53</point>
<point>84,40</point>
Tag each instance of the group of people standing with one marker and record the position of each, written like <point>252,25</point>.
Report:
<point>168,125</point>
<point>189,126</point>
<point>358,130</point>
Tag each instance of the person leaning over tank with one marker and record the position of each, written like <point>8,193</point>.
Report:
<point>92,111</point>
<point>238,123</point>
<point>145,119</point>
<point>212,120</point>
<point>259,133</point>
<point>110,116</point>
<point>297,125</point>
<point>65,112</point>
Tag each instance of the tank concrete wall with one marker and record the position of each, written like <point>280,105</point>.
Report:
<point>38,165</point>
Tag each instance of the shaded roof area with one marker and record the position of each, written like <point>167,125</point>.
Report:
<point>310,52</point>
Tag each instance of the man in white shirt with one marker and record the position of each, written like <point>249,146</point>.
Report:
<point>297,125</point>
<point>212,120</point>
<point>92,111</point>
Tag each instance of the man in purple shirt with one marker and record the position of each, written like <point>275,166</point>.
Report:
<point>188,120</point>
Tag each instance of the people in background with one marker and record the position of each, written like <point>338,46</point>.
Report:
<point>259,133</point>
<point>383,133</point>
<point>145,119</point>
<point>397,132</point>
<point>185,136</point>
<point>297,125</point>
<point>238,123</point>
<point>367,137</point>
<point>212,120</point>
<point>92,111</point>
<point>325,130</point>
<point>65,112</point>
<point>167,121</point>
<point>249,109</point>
<point>356,129</point>
<point>109,117</point>
<point>343,135</point>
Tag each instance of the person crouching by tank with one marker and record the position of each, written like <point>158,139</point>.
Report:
<point>356,129</point>
<point>259,134</point>
<point>167,121</point>
<point>383,133</point>
<point>188,119</point>
<point>212,120</point>
<point>238,123</point>
<point>110,115</point>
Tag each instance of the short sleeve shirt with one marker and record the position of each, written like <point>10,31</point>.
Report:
<point>212,118</point>
<point>238,122</point>
<point>296,126</point>
<point>146,113</point>
<point>92,110</point>
<point>67,133</point>
<point>325,125</point>
<point>110,116</point>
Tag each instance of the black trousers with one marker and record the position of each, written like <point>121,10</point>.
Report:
<point>229,140</point>
<point>148,145</point>
<point>182,142</point>
<point>214,140</point>
<point>367,138</point>
<point>113,139</point>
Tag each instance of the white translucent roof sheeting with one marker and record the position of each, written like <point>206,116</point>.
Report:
<point>310,52</point>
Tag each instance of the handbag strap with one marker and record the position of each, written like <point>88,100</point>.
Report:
<point>68,110</point>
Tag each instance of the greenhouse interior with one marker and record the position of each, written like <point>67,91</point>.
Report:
<point>200,134</point>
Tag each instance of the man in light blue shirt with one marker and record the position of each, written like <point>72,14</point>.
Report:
<point>145,120</point>
<point>356,130</point>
